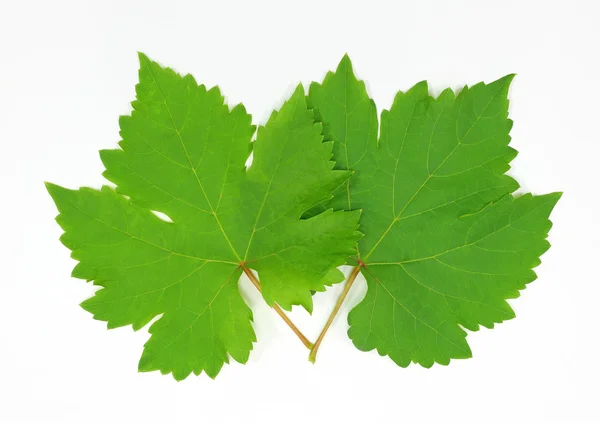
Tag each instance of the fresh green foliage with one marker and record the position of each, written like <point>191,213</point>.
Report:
<point>446,242</point>
<point>183,153</point>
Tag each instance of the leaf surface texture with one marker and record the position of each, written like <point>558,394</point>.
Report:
<point>446,243</point>
<point>183,153</point>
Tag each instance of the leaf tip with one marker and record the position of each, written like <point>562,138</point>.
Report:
<point>50,186</point>
<point>142,58</point>
<point>55,191</point>
<point>299,90</point>
<point>145,364</point>
<point>506,80</point>
<point>554,197</point>
<point>307,305</point>
<point>345,64</point>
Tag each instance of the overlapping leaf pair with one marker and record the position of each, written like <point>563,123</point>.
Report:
<point>445,242</point>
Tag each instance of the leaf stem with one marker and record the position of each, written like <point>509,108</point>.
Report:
<point>278,310</point>
<point>313,351</point>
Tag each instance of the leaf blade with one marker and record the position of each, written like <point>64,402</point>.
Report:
<point>183,154</point>
<point>438,167</point>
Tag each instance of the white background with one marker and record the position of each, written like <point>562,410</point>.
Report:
<point>68,69</point>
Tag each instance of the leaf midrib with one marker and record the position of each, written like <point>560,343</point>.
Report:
<point>212,210</point>
<point>469,244</point>
<point>430,175</point>
<point>138,238</point>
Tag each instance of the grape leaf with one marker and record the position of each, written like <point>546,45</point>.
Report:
<point>446,242</point>
<point>183,153</point>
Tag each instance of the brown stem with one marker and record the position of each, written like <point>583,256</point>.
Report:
<point>313,351</point>
<point>278,310</point>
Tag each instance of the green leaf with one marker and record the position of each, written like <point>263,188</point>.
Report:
<point>445,243</point>
<point>183,153</point>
